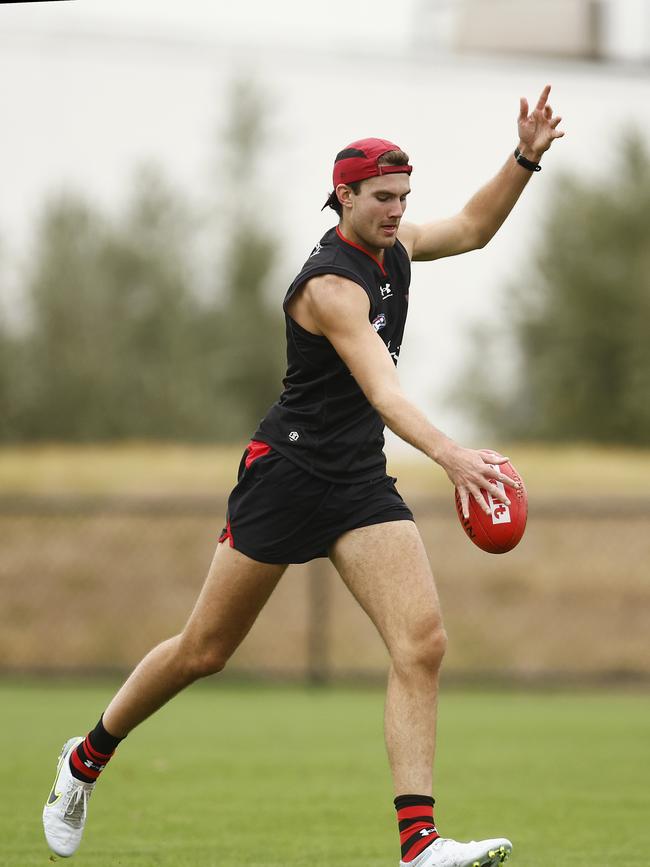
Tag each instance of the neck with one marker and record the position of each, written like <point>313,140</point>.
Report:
<point>350,235</point>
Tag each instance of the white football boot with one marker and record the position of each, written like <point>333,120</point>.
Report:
<point>449,853</point>
<point>64,814</point>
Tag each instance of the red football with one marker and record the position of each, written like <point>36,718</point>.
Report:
<point>502,529</point>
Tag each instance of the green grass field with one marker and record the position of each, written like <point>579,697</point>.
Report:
<point>269,776</point>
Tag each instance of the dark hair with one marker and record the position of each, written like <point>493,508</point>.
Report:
<point>391,158</point>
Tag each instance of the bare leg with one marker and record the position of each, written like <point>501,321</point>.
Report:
<point>234,593</point>
<point>386,568</point>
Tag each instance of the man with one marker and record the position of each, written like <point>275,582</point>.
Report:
<point>313,483</point>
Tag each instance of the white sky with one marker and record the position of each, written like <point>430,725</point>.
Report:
<point>282,21</point>
<point>90,87</point>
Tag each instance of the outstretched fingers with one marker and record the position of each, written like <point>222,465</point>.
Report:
<point>557,133</point>
<point>476,475</point>
<point>464,501</point>
<point>475,492</point>
<point>543,98</point>
<point>493,459</point>
<point>523,108</point>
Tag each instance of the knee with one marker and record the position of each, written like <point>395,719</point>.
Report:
<point>207,663</point>
<point>423,649</point>
<point>199,661</point>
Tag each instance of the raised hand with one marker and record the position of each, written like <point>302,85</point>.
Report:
<point>537,129</point>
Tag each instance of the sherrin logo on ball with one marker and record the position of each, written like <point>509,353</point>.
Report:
<point>499,511</point>
<point>501,529</point>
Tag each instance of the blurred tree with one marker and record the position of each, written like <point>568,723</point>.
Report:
<point>47,354</point>
<point>158,383</point>
<point>252,332</point>
<point>6,352</point>
<point>120,343</point>
<point>579,318</point>
<point>111,317</point>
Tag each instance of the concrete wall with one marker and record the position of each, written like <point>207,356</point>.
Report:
<point>559,27</point>
<point>613,30</point>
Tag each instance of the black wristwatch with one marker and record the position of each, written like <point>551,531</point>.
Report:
<point>527,164</point>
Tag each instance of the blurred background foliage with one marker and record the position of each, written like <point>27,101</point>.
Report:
<point>577,319</point>
<point>123,338</point>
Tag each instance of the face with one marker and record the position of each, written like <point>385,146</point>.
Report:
<point>374,214</point>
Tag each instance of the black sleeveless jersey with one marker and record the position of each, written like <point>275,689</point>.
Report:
<point>323,421</point>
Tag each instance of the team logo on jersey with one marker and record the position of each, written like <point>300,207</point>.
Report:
<point>379,322</point>
<point>385,292</point>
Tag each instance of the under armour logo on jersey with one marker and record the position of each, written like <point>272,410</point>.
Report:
<point>316,250</point>
<point>385,292</point>
<point>395,353</point>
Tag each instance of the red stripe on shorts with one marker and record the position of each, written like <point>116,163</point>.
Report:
<point>227,534</point>
<point>256,449</point>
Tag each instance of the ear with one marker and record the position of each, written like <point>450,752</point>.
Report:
<point>344,195</point>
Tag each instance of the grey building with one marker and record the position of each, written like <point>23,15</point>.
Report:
<point>609,30</point>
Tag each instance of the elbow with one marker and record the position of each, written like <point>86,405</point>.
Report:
<point>482,236</point>
<point>477,233</point>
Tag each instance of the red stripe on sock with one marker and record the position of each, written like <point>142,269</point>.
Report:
<point>83,769</point>
<point>415,828</point>
<point>98,758</point>
<point>420,846</point>
<point>414,812</point>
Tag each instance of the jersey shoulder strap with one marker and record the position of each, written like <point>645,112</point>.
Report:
<point>331,256</point>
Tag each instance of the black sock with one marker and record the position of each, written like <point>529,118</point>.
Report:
<point>101,740</point>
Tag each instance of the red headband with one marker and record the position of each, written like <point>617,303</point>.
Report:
<point>360,160</point>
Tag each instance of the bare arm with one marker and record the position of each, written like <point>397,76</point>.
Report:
<point>486,211</point>
<point>340,308</point>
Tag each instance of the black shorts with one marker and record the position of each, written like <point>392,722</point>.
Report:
<point>280,513</point>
